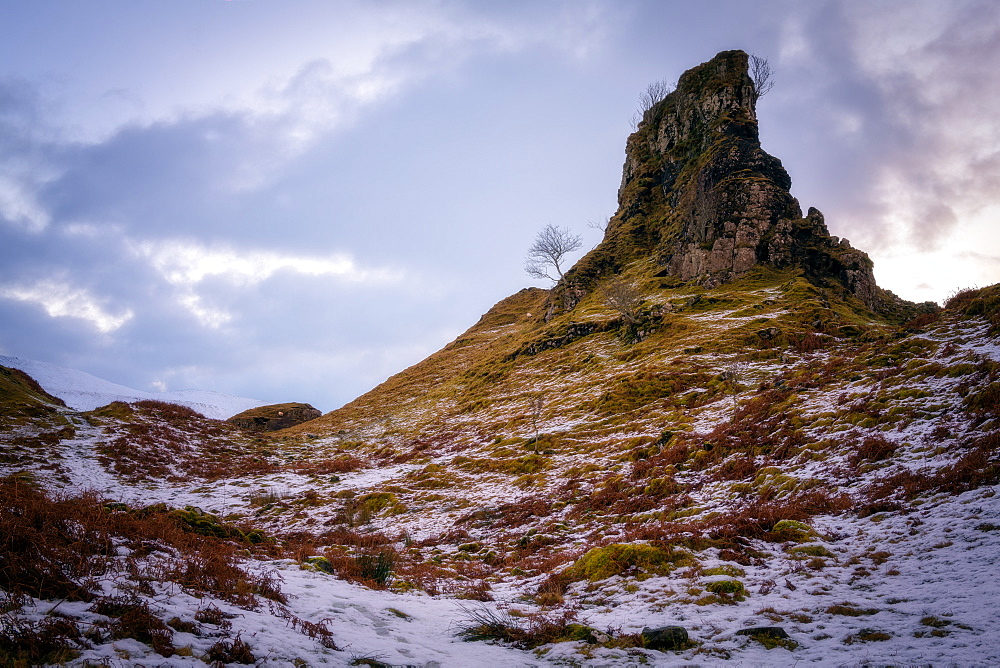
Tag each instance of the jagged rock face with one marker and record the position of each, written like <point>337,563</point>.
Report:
<point>703,198</point>
<point>274,417</point>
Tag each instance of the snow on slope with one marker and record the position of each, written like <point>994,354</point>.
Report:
<point>84,392</point>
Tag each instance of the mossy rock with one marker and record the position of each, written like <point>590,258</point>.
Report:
<point>198,521</point>
<point>811,551</point>
<point>792,530</point>
<point>666,638</point>
<point>770,637</point>
<point>578,632</point>
<point>731,588</point>
<point>601,563</point>
<point>382,502</point>
<point>320,564</point>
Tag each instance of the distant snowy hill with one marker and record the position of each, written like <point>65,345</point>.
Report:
<point>82,391</point>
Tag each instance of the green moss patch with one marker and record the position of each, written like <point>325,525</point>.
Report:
<point>639,559</point>
<point>727,587</point>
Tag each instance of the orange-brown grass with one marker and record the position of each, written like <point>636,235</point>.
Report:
<point>922,321</point>
<point>36,448</point>
<point>526,632</point>
<point>52,640</point>
<point>545,559</point>
<point>677,453</point>
<point>873,448</point>
<point>132,618</point>
<point>977,467</point>
<point>55,546</point>
<point>809,342</point>
<point>226,652</point>
<point>60,547</point>
<point>315,630</point>
<point>342,464</point>
<point>616,495</point>
<point>371,567</point>
<point>431,443</point>
<point>519,513</point>
<point>757,428</point>
<point>730,530</point>
<point>757,519</point>
<point>155,439</point>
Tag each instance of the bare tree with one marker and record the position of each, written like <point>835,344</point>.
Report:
<point>599,225</point>
<point>621,296</point>
<point>761,75</point>
<point>537,404</point>
<point>736,372</point>
<point>654,94</point>
<point>550,247</point>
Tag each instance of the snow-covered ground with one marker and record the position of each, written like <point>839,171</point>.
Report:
<point>931,605</point>
<point>912,585</point>
<point>85,392</point>
<point>898,589</point>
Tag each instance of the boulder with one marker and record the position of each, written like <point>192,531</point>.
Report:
<point>665,638</point>
<point>274,417</point>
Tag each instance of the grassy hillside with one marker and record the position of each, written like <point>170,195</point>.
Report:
<point>758,454</point>
<point>514,371</point>
<point>21,398</point>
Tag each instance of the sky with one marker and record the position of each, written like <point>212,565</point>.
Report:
<point>291,200</point>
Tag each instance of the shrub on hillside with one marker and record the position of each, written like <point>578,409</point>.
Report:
<point>873,448</point>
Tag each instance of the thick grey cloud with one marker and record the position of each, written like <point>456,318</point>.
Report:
<point>904,100</point>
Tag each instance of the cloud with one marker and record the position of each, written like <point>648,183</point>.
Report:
<point>20,207</point>
<point>911,90</point>
<point>935,66</point>
<point>60,299</point>
<point>187,264</point>
<point>24,135</point>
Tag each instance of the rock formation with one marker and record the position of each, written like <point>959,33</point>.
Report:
<point>702,198</point>
<point>274,417</point>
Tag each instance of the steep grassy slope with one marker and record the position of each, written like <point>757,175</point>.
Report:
<point>514,373</point>
<point>21,398</point>
<point>728,398</point>
<point>30,419</point>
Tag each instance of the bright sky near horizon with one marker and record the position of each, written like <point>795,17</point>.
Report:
<point>292,201</point>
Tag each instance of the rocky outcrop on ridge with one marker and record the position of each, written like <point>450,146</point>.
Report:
<point>702,198</point>
<point>274,417</point>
